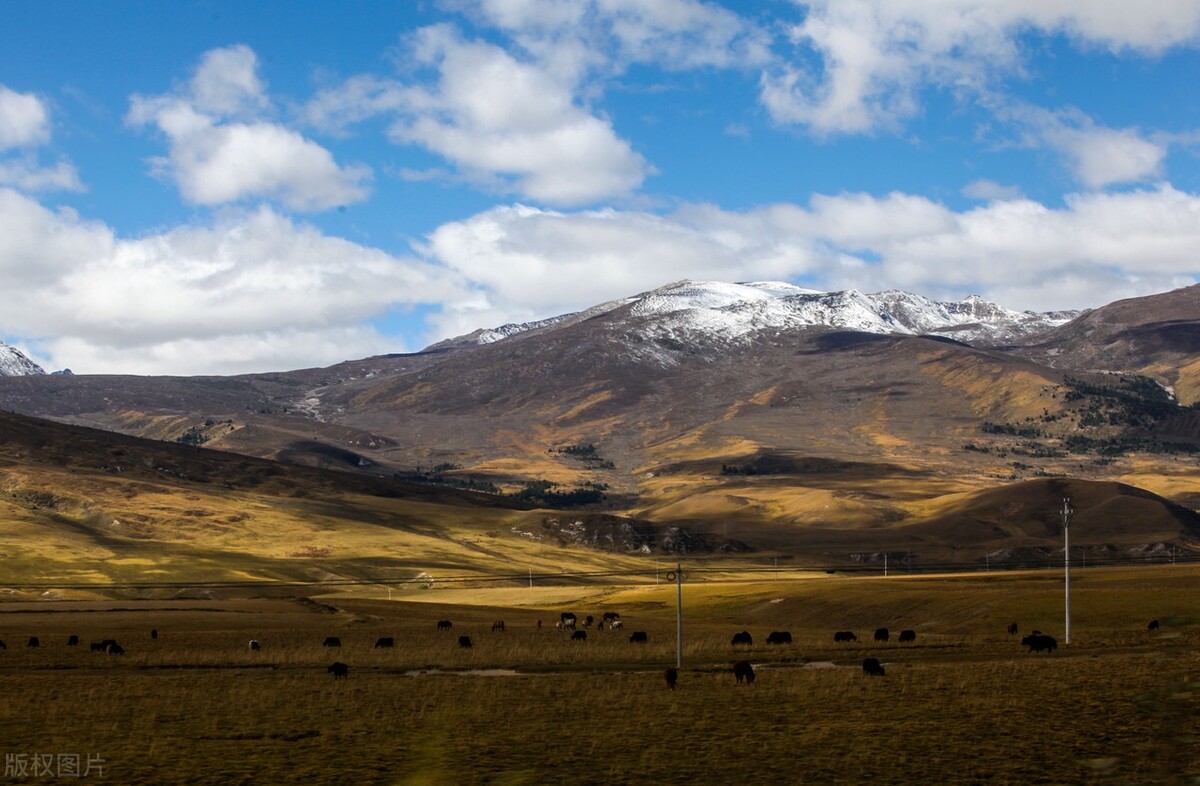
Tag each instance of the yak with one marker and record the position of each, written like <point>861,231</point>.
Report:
<point>339,670</point>
<point>742,638</point>
<point>872,667</point>
<point>638,637</point>
<point>907,635</point>
<point>845,635</point>
<point>743,671</point>
<point>779,637</point>
<point>1039,642</point>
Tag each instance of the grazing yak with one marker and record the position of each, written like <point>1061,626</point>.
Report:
<point>845,635</point>
<point>907,635</point>
<point>882,634</point>
<point>610,616</point>
<point>339,670</point>
<point>464,642</point>
<point>579,635</point>
<point>671,675</point>
<point>742,638</point>
<point>154,633</point>
<point>1012,629</point>
<point>498,625</point>
<point>3,646</point>
<point>34,642</point>
<point>1153,626</point>
<point>72,640</point>
<point>384,642</point>
<point>444,625</point>
<point>331,641</point>
<point>779,637</point>
<point>567,619</point>
<point>743,671</point>
<point>638,637</point>
<point>254,645</point>
<point>1038,642</point>
<point>115,649</point>
<point>616,625</point>
<point>872,667</point>
<point>588,620</point>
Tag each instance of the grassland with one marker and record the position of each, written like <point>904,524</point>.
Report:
<point>964,704</point>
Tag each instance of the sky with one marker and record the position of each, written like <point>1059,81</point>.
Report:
<point>203,187</point>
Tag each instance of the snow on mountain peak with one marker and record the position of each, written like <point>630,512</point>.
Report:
<point>13,363</point>
<point>704,312</point>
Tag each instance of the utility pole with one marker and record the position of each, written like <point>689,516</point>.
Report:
<point>885,563</point>
<point>1067,510</point>
<point>679,615</point>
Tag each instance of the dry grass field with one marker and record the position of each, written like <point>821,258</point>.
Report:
<point>964,704</point>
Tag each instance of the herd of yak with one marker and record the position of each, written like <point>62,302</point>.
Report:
<point>743,671</point>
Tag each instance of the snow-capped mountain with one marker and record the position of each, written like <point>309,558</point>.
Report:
<point>13,363</point>
<point>715,311</point>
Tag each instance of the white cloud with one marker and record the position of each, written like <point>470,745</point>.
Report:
<point>512,125</point>
<point>1096,156</point>
<point>875,56</point>
<point>226,82</point>
<point>24,120</point>
<point>527,263</point>
<point>253,290</point>
<point>25,123</point>
<point>575,36</point>
<point>990,191</point>
<point>25,174</point>
<point>515,117</point>
<point>1103,156</point>
<point>215,160</point>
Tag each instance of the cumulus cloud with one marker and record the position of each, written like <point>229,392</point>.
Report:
<point>1095,155</point>
<point>529,263</point>
<point>507,124</point>
<point>515,117</point>
<point>24,120</point>
<point>222,152</point>
<point>873,57</point>
<point>26,174</point>
<point>24,125</point>
<point>250,291</point>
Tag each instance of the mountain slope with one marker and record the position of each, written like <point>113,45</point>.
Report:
<point>699,406</point>
<point>13,363</point>
<point>1157,335</point>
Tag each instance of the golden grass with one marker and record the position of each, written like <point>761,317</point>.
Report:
<point>964,705</point>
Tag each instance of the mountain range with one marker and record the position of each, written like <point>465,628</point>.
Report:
<point>760,418</point>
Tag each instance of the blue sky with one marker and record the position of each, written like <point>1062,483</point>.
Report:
<point>221,187</point>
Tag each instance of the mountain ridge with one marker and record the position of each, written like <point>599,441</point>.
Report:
<point>718,311</point>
